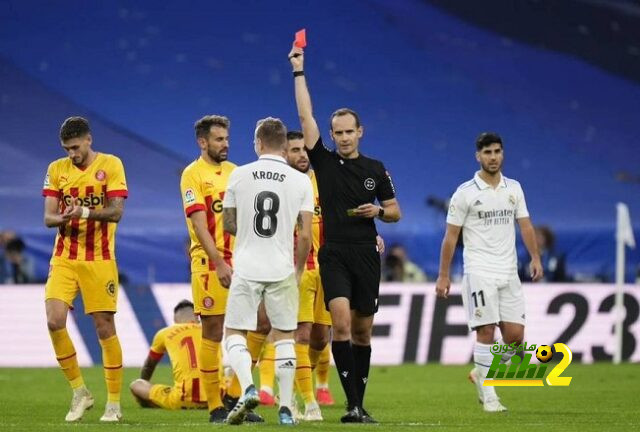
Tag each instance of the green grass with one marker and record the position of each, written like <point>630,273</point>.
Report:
<point>406,398</point>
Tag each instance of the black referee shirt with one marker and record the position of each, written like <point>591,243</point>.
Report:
<point>345,184</point>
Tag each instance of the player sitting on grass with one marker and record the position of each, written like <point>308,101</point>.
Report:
<point>182,341</point>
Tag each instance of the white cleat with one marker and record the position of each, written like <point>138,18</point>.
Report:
<point>295,411</point>
<point>494,405</point>
<point>474,379</point>
<point>81,401</point>
<point>312,413</point>
<point>112,413</point>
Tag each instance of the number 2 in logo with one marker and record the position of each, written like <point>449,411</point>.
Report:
<point>265,221</point>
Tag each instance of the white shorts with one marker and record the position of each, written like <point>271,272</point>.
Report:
<point>492,300</point>
<point>280,300</point>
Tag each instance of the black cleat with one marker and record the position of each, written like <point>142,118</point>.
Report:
<point>218,415</point>
<point>354,415</point>
<point>229,402</point>
<point>253,417</point>
<point>366,417</point>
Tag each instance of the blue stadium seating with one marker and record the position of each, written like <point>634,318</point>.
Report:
<point>425,83</point>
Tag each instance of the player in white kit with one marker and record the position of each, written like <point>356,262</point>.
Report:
<point>485,209</point>
<point>262,205</point>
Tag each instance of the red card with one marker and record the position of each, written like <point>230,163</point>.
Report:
<point>301,38</point>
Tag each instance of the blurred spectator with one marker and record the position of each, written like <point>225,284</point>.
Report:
<point>393,269</point>
<point>5,236</point>
<point>553,262</point>
<point>399,268</point>
<point>19,266</point>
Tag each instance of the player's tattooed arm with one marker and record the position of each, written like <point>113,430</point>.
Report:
<point>148,368</point>
<point>229,221</point>
<point>303,241</point>
<point>111,213</point>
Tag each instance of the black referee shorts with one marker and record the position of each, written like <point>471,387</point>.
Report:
<point>351,271</point>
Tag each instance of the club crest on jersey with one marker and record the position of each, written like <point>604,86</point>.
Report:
<point>189,196</point>
<point>111,288</point>
<point>101,175</point>
<point>369,184</point>
<point>207,302</point>
<point>512,200</point>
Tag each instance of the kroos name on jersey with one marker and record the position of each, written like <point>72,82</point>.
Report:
<point>91,200</point>
<point>268,175</point>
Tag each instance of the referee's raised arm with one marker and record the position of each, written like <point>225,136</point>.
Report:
<point>303,99</point>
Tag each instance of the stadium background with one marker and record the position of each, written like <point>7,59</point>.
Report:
<point>559,80</point>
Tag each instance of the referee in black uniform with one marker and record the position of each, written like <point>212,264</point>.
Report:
<point>349,184</point>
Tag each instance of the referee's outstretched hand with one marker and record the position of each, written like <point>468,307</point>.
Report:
<point>443,284</point>
<point>296,57</point>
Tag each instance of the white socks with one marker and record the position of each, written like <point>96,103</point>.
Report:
<point>239,359</point>
<point>285,364</point>
<point>505,356</point>
<point>482,358</point>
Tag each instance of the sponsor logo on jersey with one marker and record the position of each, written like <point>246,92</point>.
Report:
<point>216,206</point>
<point>101,175</point>
<point>189,196</point>
<point>91,200</point>
<point>369,184</point>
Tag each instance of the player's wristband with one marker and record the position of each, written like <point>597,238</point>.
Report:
<point>381,213</point>
<point>85,213</point>
<point>298,73</point>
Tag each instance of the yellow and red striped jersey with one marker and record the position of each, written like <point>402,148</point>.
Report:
<point>86,239</point>
<point>316,226</point>
<point>182,342</point>
<point>202,186</point>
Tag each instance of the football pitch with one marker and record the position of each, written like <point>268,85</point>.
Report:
<point>404,398</point>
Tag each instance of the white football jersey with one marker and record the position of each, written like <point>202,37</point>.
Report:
<point>268,195</point>
<point>487,217</point>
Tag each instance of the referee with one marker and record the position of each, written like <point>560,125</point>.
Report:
<point>349,183</point>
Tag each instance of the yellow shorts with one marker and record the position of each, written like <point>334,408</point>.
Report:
<point>312,307</point>
<point>97,282</point>
<point>173,398</point>
<point>209,296</point>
